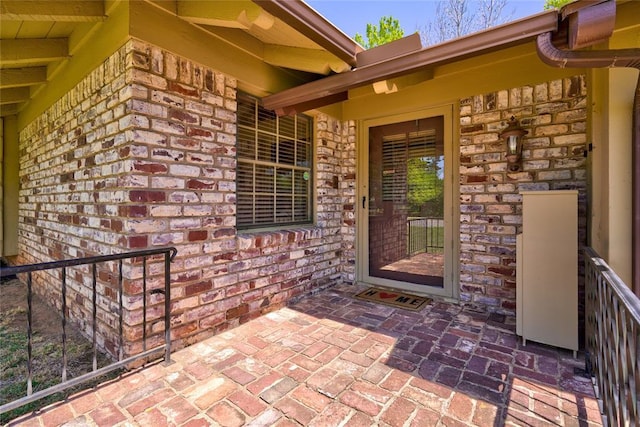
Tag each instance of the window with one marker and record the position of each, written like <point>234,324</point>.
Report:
<point>274,166</point>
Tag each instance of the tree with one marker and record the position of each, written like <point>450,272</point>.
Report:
<point>425,186</point>
<point>555,4</point>
<point>388,30</point>
<point>455,18</point>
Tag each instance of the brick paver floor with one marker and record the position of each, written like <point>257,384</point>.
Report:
<point>332,360</point>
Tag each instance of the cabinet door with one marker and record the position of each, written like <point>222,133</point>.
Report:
<point>550,268</point>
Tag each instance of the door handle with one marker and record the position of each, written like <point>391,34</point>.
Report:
<point>364,199</point>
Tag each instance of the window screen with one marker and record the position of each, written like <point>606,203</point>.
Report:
<point>274,166</point>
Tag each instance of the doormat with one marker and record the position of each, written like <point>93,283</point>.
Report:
<point>393,298</point>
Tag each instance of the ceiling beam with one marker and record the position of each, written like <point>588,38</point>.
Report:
<point>311,60</point>
<point>14,95</point>
<point>316,27</point>
<point>8,110</point>
<point>29,51</point>
<point>225,13</point>
<point>16,77</point>
<point>47,10</point>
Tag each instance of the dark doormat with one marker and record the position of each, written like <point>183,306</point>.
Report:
<point>394,298</point>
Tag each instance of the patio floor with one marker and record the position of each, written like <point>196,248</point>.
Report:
<point>332,360</point>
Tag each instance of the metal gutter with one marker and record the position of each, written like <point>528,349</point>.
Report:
<point>516,32</point>
<point>619,58</point>
<point>599,18</point>
<point>313,25</point>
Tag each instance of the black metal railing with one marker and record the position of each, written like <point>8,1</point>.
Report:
<point>612,342</point>
<point>425,235</point>
<point>122,362</point>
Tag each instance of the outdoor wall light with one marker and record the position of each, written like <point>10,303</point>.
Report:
<point>512,136</point>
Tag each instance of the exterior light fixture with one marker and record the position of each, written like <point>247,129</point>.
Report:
<point>512,136</point>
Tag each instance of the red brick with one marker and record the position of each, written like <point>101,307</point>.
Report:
<point>358,359</point>
<point>248,403</point>
<point>57,415</point>
<point>147,196</point>
<point>460,407</point>
<point>284,422</point>
<point>294,371</point>
<point>295,410</point>
<point>376,373</point>
<point>452,422</point>
<point>226,415</point>
<point>398,412</point>
<point>182,89</point>
<point>136,242</point>
<point>150,167</point>
<point>199,370</point>
<point>179,410</point>
<point>107,414</point>
<point>263,383</point>
<point>197,288</point>
<point>205,394</point>
<point>485,414</point>
<point>328,355</point>
<point>157,397</point>
<point>306,363</point>
<point>431,387</point>
<point>395,381</point>
<point>197,422</point>
<point>239,375</point>
<point>152,417</point>
<point>199,235</point>
<point>84,401</point>
<point>360,403</point>
<point>333,415</point>
<point>359,420</point>
<point>310,398</point>
<point>336,385</point>
<point>197,184</point>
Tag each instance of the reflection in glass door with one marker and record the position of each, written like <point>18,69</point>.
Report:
<point>406,202</point>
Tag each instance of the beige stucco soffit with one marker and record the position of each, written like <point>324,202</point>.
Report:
<point>230,14</point>
<point>311,24</point>
<point>510,34</point>
<point>53,11</point>
<point>311,60</point>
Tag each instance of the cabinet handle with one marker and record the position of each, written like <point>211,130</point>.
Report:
<point>364,199</point>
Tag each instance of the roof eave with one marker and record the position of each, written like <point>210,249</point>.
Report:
<point>313,25</point>
<point>516,32</point>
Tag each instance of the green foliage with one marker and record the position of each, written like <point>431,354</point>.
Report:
<point>425,187</point>
<point>555,4</point>
<point>387,31</point>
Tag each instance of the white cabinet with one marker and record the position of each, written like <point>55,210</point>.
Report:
<point>547,269</point>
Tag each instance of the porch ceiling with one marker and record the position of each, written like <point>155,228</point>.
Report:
<point>38,37</point>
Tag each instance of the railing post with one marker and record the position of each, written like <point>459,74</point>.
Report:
<point>64,324</point>
<point>29,334</point>
<point>167,308</point>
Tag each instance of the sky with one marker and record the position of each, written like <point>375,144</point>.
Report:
<point>352,16</point>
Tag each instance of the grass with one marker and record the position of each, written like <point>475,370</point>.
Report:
<point>46,354</point>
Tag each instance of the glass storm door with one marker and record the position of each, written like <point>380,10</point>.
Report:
<point>405,205</point>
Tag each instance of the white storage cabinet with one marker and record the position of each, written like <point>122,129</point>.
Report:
<point>547,269</point>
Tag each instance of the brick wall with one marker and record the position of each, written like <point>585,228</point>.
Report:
<point>554,114</point>
<point>142,154</point>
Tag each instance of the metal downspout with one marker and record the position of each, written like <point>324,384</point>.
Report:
<point>620,58</point>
